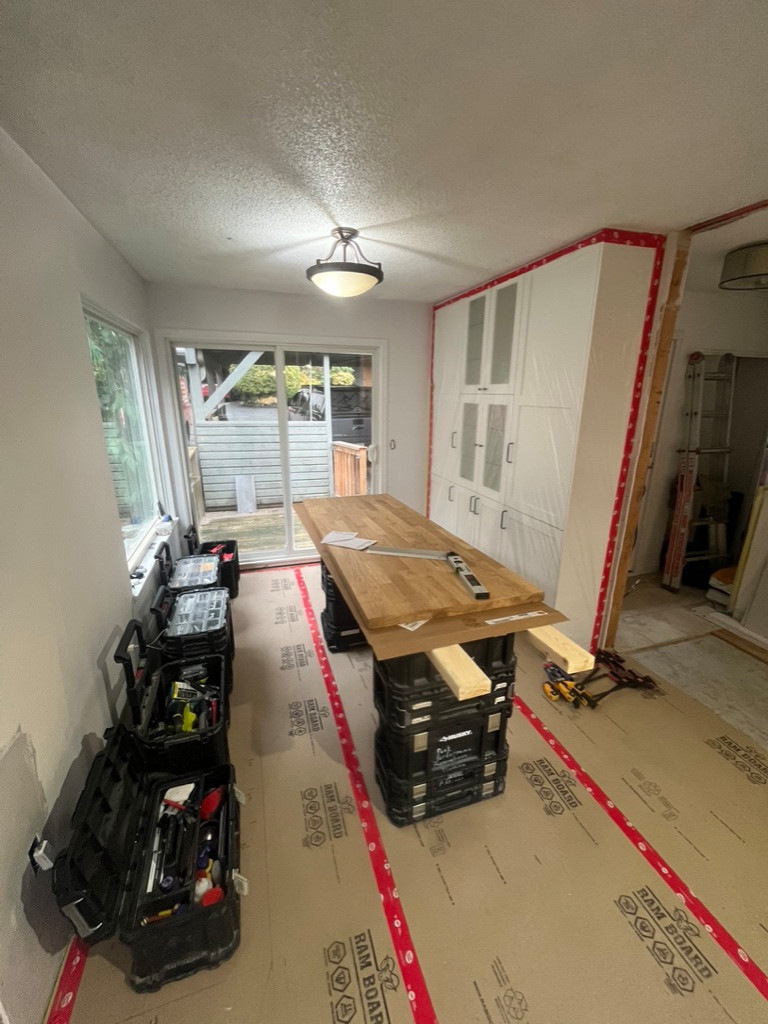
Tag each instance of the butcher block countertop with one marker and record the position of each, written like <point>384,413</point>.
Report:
<point>385,591</point>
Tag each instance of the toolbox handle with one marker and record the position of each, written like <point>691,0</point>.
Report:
<point>161,606</point>
<point>123,657</point>
<point>164,561</point>
<point>192,539</point>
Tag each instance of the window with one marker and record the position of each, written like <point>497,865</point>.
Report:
<point>113,357</point>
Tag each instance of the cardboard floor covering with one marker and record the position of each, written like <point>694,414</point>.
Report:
<point>534,905</point>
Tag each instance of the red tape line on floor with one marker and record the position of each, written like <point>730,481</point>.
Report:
<point>63,1002</point>
<point>722,937</point>
<point>418,996</point>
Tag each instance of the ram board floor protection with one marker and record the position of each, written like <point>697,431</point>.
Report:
<point>531,906</point>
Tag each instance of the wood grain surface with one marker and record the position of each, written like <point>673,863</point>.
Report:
<point>389,589</point>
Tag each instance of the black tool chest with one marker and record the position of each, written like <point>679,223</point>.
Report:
<point>435,753</point>
<point>154,858</point>
<point>340,628</point>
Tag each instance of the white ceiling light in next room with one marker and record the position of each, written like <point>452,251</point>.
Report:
<point>345,278</point>
<point>746,268</point>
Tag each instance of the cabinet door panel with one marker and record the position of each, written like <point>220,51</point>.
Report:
<point>473,351</point>
<point>532,550</point>
<point>443,503</point>
<point>539,477</point>
<point>488,534</point>
<point>468,442</point>
<point>445,436</point>
<point>451,323</point>
<point>466,517</point>
<point>558,329</point>
<point>494,446</point>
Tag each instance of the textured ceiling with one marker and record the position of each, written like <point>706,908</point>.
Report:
<point>219,143</point>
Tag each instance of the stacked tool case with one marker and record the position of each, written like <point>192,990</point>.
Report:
<point>340,629</point>
<point>155,848</point>
<point>195,572</point>
<point>226,551</point>
<point>195,624</point>
<point>435,753</point>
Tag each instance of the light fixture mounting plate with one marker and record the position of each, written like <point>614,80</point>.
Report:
<point>345,234</point>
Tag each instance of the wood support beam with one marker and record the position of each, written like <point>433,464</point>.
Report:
<point>636,488</point>
<point>561,650</point>
<point>463,676</point>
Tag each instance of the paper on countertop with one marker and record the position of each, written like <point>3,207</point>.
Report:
<point>412,625</point>
<point>514,618</point>
<point>346,540</point>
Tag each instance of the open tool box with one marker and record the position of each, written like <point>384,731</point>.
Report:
<point>154,859</point>
<point>226,551</point>
<point>177,712</point>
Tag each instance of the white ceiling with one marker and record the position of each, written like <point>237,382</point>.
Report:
<point>219,142</point>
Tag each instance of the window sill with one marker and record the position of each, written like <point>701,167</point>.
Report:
<point>147,563</point>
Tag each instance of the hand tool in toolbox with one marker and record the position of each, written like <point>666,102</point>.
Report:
<point>560,684</point>
<point>457,563</point>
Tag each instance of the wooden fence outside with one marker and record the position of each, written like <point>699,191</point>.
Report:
<point>228,450</point>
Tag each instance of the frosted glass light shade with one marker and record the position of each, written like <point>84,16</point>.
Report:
<point>344,280</point>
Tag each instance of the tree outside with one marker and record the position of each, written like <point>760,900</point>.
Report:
<point>259,385</point>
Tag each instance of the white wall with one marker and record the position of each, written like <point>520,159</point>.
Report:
<point>718,321</point>
<point>65,587</point>
<point>404,327</point>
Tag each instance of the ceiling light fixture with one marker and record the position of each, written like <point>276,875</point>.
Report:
<point>345,278</point>
<point>746,268</point>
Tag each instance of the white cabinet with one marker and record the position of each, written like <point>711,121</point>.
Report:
<point>533,389</point>
<point>443,503</point>
<point>484,443</point>
<point>540,462</point>
<point>450,334</point>
<point>557,330</point>
<point>446,412</point>
<point>477,521</point>
<point>531,549</point>
<point>493,325</point>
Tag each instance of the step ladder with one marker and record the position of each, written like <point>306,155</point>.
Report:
<point>709,381</point>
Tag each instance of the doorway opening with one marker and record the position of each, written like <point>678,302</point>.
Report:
<point>266,427</point>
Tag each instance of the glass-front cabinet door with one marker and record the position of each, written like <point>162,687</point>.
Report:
<point>473,352</point>
<point>484,443</point>
<point>505,315</point>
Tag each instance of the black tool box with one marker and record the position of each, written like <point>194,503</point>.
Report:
<point>177,712</point>
<point>154,858</point>
<point>451,791</point>
<point>194,624</point>
<point>494,655</point>
<point>429,784</point>
<point>226,551</point>
<point>467,741</point>
<point>340,628</point>
<point>426,702</point>
<point>337,640</point>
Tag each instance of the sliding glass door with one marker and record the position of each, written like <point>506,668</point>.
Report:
<point>265,428</point>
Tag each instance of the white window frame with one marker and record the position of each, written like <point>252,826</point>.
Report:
<point>148,400</point>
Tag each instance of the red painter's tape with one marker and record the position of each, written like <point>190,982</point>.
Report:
<point>638,238</point>
<point>413,979</point>
<point>712,926</point>
<point>63,1002</point>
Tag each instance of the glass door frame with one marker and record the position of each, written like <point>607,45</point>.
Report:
<point>171,433</point>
